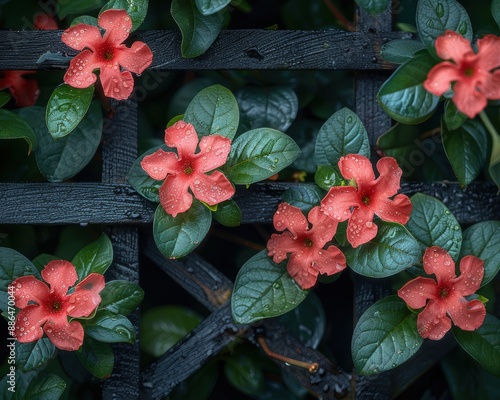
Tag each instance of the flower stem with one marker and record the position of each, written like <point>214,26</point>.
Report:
<point>495,137</point>
<point>495,148</point>
<point>340,17</point>
<point>312,368</point>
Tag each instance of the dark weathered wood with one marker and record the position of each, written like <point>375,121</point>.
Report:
<point>233,49</point>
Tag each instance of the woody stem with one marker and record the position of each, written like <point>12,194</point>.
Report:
<point>312,368</point>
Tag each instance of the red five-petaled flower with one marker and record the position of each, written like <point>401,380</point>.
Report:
<point>188,170</point>
<point>372,196</point>
<point>308,257</point>
<point>446,296</point>
<point>47,308</point>
<point>106,53</point>
<point>24,91</point>
<point>475,80</point>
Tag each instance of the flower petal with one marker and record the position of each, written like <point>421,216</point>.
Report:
<point>160,163</point>
<point>212,189</point>
<point>85,298</point>
<point>490,85</point>
<point>136,59</point>
<point>116,84</point>
<point>174,196</point>
<point>82,36</point>
<point>182,136</point>
<point>488,52</point>
<point>452,46</point>
<point>214,150</point>
<point>360,228</point>
<point>471,275</point>
<point>323,227</point>
<point>279,245</point>
<point>299,269</point>
<point>357,167</point>
<point>29,321</point>
<point>437,261</point>
<point>468,315</point>
<point>440,77</point>
<point>397,210</point>
<point>468,100</point>
<point>387,184</point>
<point>60,275</point>
<point>79,73</point>
<point>330,261</point>
<point>432,322</point>
<point>28,288</point>
<point>417,291</point>
<point>117,24</point>
<point>291,218</point>
<point>67,337</point>
<point>338,202</point>
<point>24,91</point>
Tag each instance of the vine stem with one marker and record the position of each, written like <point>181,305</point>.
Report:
<point>495,143</point>
<point>340,17</point>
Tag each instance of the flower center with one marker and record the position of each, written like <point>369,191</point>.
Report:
<point>365,199</point>
<point>108,54</point>
<point>308,242</point>
<point>188,169</point>
<point>443,291</point>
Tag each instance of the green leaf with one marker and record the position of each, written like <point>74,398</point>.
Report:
<point>228,213</point>
<point>267,107</point>
<point>393,250</point>
<point>400,50</point>
<point>483,344</point>
<point>66,108</point>
<point>385,336</point>
<point>85,19</point>
<point>179,236</point>
<point>258,154</point>
<point>95,257</point>
<point>343,133</point>
<point>452,117</point>
<point>483,241</point>
<point>13,126</point>
<point>434,17</point>
<point>208,7</point>
<point>96,357</point>
<point>66,7</point>
<point>304,196</point>
<point>42,260</point>
<point>245,373</point>
<point>4,98</point>
<point>46,386</point>
<point>121,297</point>
<point>373,6</point>
<point>136,9</point>
<point>495,11</point>
<point>432,224</point>
<point>164,326</point>
<point>264,289</point>
<point>63,158</point>
<point>466,149</point>
<point>109,327</point>
<point>214,111</point>
<point>34,355</point>
<point>403,96</point>
<point>327,176</point>
<point>198,31</point>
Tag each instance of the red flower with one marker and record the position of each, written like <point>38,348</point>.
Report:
<point>45,309</point>
<point>370,197</point>
<point>24,91</point>
<point>107,54</point>
<point>475,82</point>
<point>188,170</point>
<point>447,295</point>
<point>44,21</point>
<point>306,245</point>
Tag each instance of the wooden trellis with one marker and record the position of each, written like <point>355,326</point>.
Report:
<point>113,203</point>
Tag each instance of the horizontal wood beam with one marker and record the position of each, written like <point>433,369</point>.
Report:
<point>234,49</point>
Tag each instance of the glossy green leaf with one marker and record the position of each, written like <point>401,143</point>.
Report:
<point>264,289</point>
<point>452,117</point>
<point>164,326</point>
<point>4,98</point>
<point>13,126</point>
<point>466,149</point>
<point>199,385</point>
<point>432,224</point>
<point>97,357</point>
<point>42,260</point>
<point>63,158</point>
<point>304,196</point>
<point>208,7</point>
<point>483,241</point>
<point>434,17</point>
<point>267,107</point>
<point>34,355</point>
<point>85,19</point>
<point>393,250</point>
<point>400,50</point>
<point>214,111</point>
<point>343,133</point>
<point>95,257</point>
<point>228,213</point>
<point>327,176</point>
<point>244,373</point>
<point>495,11</point>
<point>136,9</point>
<point>258,154</point>
<point>198,31</point>
<point>373,6</point>
<point>109,327</point>
<point>385,336</point>
<point>66,7</point>
<point>483,344</point>
<point>179,236</point>
<point>121,297</point>
<point>66,108</point>
<point>45,386</point>
<point>403,96</point>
